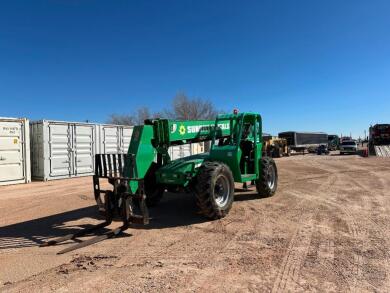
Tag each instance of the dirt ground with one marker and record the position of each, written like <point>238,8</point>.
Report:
<point>326,229</point>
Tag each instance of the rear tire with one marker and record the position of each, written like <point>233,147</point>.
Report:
<point>267,183</point>
<point>214,190</point>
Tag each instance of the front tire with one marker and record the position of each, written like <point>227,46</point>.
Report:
<point>214,190</point>
<point>267,183</point>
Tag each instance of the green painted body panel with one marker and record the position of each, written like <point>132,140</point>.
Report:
<point>173,132</point>
<point>140,146</point>
<point>229,155</point>
<point>181,171</point>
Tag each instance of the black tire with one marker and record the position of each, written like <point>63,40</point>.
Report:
<point>267,183</point>
<point>214,190</point>
<point>154,192</point>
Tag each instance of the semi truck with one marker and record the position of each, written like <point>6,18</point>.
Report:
<point>379,140</point>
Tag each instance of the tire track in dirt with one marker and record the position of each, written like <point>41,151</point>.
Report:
<point>288,275</point>
<point>203,279</point>
<point>353,227</point>
<point>370,202</point>
<point>330,186</point>
<point>172,251</point>
<point>373,200</point>
<point>287,278</point>
<point>358,234</point>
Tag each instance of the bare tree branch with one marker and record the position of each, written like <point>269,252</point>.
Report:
<point>121,119</point>
<point>183,108</point>
<point>142,114</point>
<point>136,118</point>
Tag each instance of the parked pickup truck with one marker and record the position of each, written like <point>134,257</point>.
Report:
<point>348,147</point>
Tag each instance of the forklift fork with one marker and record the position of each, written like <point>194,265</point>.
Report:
<point>117,202</point>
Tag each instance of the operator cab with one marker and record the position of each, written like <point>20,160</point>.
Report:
<point>241,149</point>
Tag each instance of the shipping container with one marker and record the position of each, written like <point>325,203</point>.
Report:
<point>62,149</point>
<point>185,150</point>
<point>179,151</point>
<point>114,139</point>
<point>197,148</point>
<point>14,151</point>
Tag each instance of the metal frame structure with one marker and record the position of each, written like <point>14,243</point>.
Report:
<point>118,202</point>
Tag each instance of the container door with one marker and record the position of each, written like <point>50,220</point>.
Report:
<point>60,150</point>
<point>174,152</point>
<point>11,151</point>
<point>110,137</point>
<point>180,151</point>
<point>197,148</point>
<point>185,150</point>
<point>84,148</point>
<point>126,133</point>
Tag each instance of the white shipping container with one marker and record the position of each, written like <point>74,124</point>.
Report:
<point>14,151</point>
<point>114,139</point>
<point>197,148</point>
<point>62,149</point>
<point>179,151</point>
<point>185,150</point>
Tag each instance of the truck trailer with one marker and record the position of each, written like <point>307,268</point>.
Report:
<point>301,141</point>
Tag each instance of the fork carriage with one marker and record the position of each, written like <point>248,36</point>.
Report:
<point>118,202</point>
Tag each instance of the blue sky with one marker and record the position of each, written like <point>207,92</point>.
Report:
<point>304,65</point>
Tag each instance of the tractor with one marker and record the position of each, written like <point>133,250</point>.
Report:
<point>275,147</point>
<point>140,178</point>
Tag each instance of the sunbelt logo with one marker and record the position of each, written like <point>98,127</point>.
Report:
<point>182,129</point>
<point>173,128</point>
<point>202,129</point>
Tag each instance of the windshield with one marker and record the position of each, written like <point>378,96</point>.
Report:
<point>348,143</point>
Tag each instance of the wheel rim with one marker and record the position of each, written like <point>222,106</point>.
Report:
<point>221,190</point>
<point>271,177</point>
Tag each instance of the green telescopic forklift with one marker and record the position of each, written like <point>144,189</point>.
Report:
<point>140,177</point>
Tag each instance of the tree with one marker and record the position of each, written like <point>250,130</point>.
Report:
<point>136,118</point>
<point>185,108</point>
<point>125,119</point>
<point>141,115</point>
<point>182,108</point>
